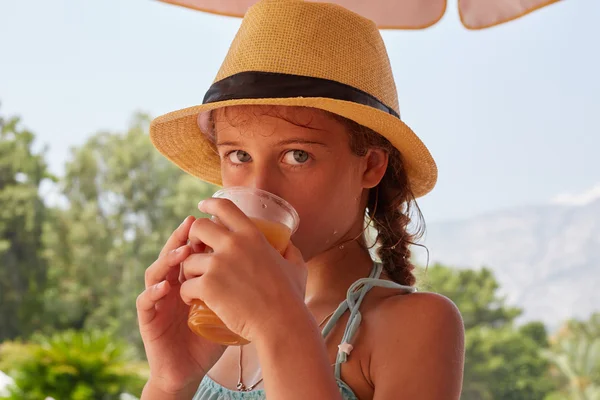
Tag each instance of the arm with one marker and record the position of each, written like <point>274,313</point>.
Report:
<point>294,359</point>
<point>421,354</point>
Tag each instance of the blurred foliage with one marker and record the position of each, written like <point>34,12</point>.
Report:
<point>71,365</point>
<point>123,200</point>
<point>502,361</point>
<point>22,269</point>
<point>575,356</point>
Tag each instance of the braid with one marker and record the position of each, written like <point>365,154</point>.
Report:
<point>389,205</point>
<point>388,209</point>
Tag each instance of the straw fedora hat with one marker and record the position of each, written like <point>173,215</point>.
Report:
<point>299,53</point>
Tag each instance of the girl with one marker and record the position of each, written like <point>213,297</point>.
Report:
<point>305,107</point>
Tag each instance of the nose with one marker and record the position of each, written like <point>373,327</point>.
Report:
<point>264,177</point>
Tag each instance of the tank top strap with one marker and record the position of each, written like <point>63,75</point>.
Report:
<point>354,298</point>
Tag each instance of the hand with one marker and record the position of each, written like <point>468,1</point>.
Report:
<point>244,281</point>
<point>178,358</point>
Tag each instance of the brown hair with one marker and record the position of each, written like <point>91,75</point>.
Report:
<point>390,204</point>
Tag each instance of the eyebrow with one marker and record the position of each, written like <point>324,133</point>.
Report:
<point>280,143</point>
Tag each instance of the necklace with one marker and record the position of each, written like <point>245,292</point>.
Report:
<point>243,388</point>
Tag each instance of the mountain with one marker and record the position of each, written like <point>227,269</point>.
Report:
<point>546,258</point>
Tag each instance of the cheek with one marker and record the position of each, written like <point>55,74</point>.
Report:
<point>327,212</point>
<point>323,227</point>
<point>231,177</point>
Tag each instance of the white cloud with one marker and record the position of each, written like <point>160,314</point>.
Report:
<point>578,199</point>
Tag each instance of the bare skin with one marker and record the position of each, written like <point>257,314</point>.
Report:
<point>405,341</point>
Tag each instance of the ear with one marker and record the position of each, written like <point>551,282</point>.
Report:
<point>377,162</point>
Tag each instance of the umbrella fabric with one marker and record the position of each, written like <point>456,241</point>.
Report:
<point>480,14</point>
<point>399,14</point>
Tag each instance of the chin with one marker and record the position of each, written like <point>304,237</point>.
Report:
<point>307,247</point>
<point>310,249</point>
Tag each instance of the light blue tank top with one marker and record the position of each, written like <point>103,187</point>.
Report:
<point>211,390</point>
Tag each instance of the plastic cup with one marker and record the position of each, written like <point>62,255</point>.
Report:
<point>277,220</point>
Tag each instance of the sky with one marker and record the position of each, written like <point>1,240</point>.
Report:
<point>509,113</point>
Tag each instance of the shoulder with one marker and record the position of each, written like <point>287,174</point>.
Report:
<point>419,339</point>
<point>417,319</point>
<point>422,310</point>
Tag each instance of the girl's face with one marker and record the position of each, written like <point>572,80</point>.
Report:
<point>307,161</point>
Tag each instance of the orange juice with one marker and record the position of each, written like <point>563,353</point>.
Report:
<point>276,233</point>
<point>202,321</point>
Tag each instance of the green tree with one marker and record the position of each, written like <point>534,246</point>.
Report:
<point>501,361</point>
<point>575,356</point>
<point>22,267</point>
<point>124,199</point>
<point>72,365</point>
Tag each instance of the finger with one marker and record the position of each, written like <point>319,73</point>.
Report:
<point>195,265</point>
<point>181,276</point>
<point>173,275</point>
<point>159,270</point>
<point>209,233</point>
<point>193,289</point>
<point>228,214</point>
<point>293,254</point>
<point>147,300</point>
<point>179,236</point>
<point>197,246</point>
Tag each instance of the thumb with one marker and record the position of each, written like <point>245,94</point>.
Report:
<point>293,254</point>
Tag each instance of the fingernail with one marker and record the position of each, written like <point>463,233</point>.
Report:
<point>200,204</point>
<point>160,285</point>
<point>183,222</point>
<point>177,250</point>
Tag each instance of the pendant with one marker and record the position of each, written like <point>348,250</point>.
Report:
<point>243,388</point>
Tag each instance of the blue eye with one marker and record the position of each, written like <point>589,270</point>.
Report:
<point>239,157</point>
<point>296,157</point>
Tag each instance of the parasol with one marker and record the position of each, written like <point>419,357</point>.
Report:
<point>399,14</point>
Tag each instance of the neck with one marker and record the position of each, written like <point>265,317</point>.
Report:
<point>332,272</point>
